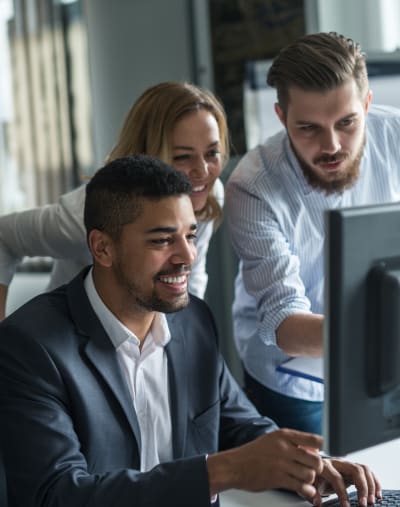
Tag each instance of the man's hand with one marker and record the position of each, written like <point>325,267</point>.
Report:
<point>282,459</point>
<point>338,474</point>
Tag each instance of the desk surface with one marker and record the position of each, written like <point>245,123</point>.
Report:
<point>382,459</point>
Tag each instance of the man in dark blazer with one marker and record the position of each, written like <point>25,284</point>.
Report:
<point>112,388</point>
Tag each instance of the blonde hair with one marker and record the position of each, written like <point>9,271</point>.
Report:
<point>148,127</point>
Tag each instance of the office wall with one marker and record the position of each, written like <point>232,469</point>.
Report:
<point>133,44</point>
<point>372,23</point>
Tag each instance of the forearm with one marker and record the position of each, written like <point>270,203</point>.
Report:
<point>3,299</point>
<point>301,334</point>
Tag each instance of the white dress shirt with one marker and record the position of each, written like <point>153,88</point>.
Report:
<point>146,372</point>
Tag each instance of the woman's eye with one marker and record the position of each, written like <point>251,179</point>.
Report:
<point>180,158</point>
<point>213,154</point>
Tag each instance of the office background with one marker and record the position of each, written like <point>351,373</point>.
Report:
<point>71,70</point>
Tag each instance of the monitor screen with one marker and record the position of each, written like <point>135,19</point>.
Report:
<point>362,327</point>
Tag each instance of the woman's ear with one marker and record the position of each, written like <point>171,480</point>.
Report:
<point>100,245</point>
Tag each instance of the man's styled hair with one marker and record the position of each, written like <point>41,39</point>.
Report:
<point>317,62</point>
<point>149,124</point>
<point>115,194</point>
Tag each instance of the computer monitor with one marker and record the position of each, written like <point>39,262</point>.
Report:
<point>362,327</point>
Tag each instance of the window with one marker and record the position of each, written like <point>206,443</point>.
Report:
<point>45,108</point>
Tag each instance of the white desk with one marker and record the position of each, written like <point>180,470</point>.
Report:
<point>382,459</point>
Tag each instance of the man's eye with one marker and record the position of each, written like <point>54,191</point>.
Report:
<point>347,122</point>
<point>307,128</point>
<point>160,241</point>
<point>192,237</point>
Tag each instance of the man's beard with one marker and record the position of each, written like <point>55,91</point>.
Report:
<point>335,186</point>
<point>151,302</point>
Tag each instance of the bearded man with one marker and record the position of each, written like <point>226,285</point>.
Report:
<point>336,150</point>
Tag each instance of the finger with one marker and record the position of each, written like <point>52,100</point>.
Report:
<point>302,439</point>
<point>307,491</point>
<point>371,483</point>
<point>308,458</point>
<point>316,500</point>
<point>303,489</point>
<point>378,488</point>
<point>293,482</point>
<point>301,473</point>
<point>335,480</point>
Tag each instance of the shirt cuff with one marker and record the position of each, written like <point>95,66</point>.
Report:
<point>214,498</point>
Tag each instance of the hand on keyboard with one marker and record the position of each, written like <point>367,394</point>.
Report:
<point>390,498</point>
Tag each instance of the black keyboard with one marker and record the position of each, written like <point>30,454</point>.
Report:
<point>390,498</point>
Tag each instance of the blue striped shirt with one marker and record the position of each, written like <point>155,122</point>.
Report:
<point>276,220</point>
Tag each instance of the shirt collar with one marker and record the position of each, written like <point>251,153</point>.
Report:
<point>116,330</point>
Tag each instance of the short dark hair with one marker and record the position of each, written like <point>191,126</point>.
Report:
<point>114,195</point>
<point>317,62</point>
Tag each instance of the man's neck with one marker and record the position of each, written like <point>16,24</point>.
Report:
<point>137,319</point>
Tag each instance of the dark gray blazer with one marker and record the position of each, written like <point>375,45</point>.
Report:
<point>69,432</point>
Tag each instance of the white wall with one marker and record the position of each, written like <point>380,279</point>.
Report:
<point>372,23</point>
<point>133,44</point>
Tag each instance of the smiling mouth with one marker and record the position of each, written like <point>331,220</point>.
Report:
<point>173,279</point>
<point>198,188</point>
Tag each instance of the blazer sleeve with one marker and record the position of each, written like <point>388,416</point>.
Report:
<point>240,422</point>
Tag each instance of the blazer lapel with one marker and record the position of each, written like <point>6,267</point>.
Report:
<point>177,374</point>
<point>105,361</point>
<point>100,350</point>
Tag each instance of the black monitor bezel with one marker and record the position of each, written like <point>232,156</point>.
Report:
<point>357,240</point>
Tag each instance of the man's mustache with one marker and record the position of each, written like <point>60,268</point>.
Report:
<point>326,159</point>
<point>183,270</point>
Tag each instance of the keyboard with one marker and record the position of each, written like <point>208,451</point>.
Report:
<point>390,498</point>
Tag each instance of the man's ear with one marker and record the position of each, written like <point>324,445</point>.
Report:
<point>279,112</point>
<point>368,100</point>
<point>100,245</point>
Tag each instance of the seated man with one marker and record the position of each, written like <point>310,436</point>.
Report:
<point>112,388</point>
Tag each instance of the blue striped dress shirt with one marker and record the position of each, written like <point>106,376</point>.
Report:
<point>276,220</point>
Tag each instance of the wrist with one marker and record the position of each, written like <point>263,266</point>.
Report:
<point>222,472</point>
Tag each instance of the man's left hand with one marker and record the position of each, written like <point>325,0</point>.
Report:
<point>338,474</point>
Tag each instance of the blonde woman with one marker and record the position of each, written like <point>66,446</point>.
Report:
<point>179,123</point>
